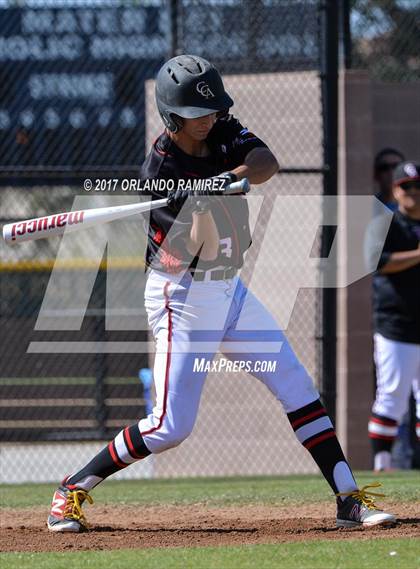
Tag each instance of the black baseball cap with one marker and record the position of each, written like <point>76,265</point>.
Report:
<point>406,172</point>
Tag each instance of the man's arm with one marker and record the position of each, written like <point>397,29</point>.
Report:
<point>259,165</point>
<point>204,235</point>
<point>401,261</point>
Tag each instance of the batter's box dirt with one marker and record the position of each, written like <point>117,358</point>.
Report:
<point>128,527</point>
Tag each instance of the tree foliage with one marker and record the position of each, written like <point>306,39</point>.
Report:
<point>386,38</point>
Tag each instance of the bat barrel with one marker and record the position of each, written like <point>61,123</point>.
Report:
<point>32,229</point>
<point>51,225</point>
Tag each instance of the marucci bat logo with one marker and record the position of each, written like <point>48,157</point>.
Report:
<point>46,223</point>
<point>204,90</point>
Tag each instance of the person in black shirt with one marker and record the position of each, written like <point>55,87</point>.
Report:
<point>196,303</point>
<point>228,144</point>
<point>385,162</point>
<point>396,309</point>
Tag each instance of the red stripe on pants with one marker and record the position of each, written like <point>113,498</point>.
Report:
<point>168,363</point>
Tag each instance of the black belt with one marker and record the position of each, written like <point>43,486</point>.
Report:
<point>215,275</point>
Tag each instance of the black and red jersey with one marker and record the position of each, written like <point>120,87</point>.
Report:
<point>396,297</point>
<point>168,231</point>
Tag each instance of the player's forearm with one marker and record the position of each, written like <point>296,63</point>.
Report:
<point>401,261</point>
<point>205,236</point>
<point>259,166</point>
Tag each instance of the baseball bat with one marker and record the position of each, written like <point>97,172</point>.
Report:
<point>57,224</point>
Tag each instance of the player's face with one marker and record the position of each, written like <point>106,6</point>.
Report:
<point>198,129</point>
<point>408,196</point>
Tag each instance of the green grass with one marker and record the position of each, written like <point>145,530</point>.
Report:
<point>215,492</point>
<point>304,555</point>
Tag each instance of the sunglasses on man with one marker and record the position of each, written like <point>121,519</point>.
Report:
<point>387,167</point>
<point>415,185</point>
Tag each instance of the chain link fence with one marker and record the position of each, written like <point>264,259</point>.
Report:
<point>76,101</point>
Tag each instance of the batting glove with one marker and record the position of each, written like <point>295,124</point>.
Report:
<point>227,178</point>
<point>177,198</point>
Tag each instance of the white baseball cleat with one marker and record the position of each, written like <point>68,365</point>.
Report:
<point>358,509</point>
<point>66,510</point>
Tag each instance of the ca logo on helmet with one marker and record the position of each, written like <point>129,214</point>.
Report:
<point>204,90</point>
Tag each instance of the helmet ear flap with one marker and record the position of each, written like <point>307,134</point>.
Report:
<point>222,114</point>
<point>177,122</point>
<point>172,121</point>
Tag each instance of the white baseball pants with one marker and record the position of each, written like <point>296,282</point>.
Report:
<point>397,372</point>
<point>193,320</point>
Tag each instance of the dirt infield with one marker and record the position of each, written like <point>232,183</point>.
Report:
<point>128,527</point>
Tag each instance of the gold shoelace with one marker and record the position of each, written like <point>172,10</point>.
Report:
<point>73,509</point>
<point>363,495</point>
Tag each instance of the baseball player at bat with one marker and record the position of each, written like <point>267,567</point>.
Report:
<point>196,303</point>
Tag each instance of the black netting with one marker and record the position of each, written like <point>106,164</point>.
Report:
<point>76,101</point>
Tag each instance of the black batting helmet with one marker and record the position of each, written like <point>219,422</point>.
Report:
<point>189,87</point>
